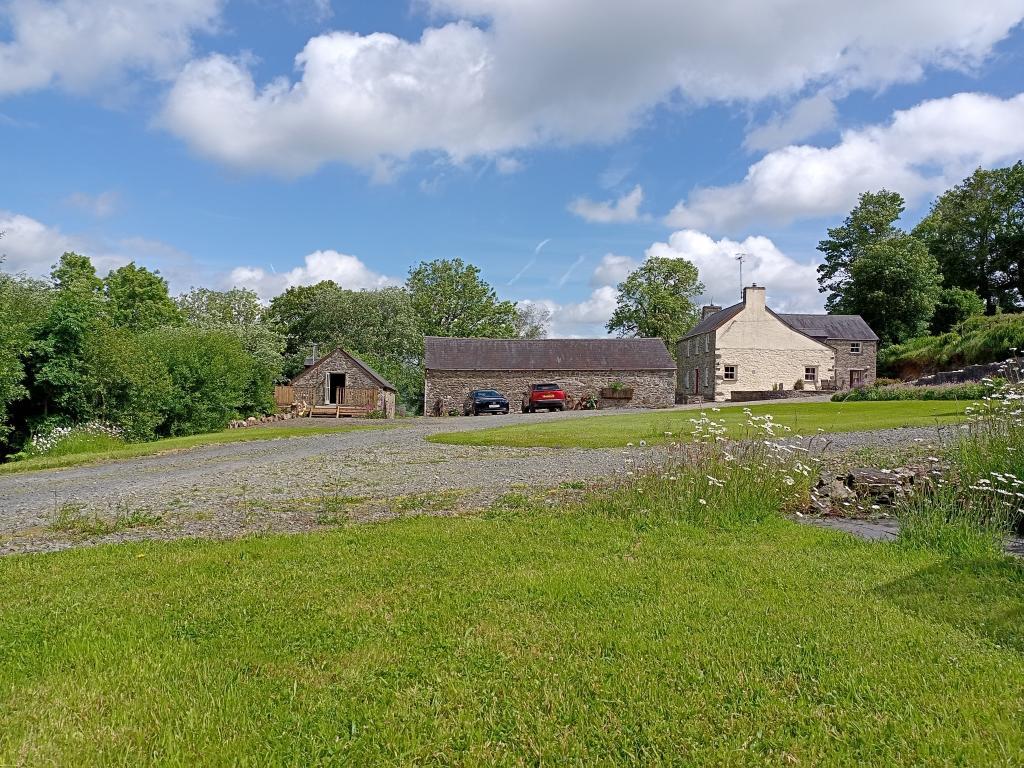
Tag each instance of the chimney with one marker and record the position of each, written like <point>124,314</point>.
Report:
<point>708,310</point>
<point>753,297</point>
<point>316,352</point>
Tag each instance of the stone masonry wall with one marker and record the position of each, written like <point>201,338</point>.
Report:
<point>309,385</point>
<point>688,364</point>
<point>846,361</point>
<point>651,389</point>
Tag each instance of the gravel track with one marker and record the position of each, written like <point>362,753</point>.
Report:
<point>302,483</point>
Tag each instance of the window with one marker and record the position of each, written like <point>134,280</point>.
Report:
<point>810,373</point>
<point>854,347</point>
<point>730,373</point>
<point>707,379</point>
<point>707,342</point>
<point>686,380</point>
<point>687,347</point>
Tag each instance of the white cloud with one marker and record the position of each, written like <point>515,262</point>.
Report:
<point>32,247</point>
<point>100,206</point>
<point>626,208</point>
<point>582,319</point>
<point>922,151</point>
<point>507,166</point>
<point>84,45</point>
<point>792,285</point>
<point>612,270</point>
<point>347,271</point>
<point>525,73</point>
<point>806,118</point>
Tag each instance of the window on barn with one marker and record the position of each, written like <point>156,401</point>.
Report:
<point>730,373</point>
<point>854,347</point>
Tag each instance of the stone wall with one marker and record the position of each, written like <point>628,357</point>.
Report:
<point>846,361</point>
<point>693,360</point>
<point>651,389</point>
<point>310,385</point>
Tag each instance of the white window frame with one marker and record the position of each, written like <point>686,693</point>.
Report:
<point>856,348</point>
<point>813,371</point>
<point>707,342</point>
<point>687,347</point>
<point>686,379</point>
<point>735,373</point>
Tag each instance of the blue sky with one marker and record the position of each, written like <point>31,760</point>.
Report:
<point>554,144</point>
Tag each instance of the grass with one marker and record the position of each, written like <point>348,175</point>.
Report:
<point>654,426</point>
<point>115,450</point>
<point>73,519</point>
<point>527,637</point>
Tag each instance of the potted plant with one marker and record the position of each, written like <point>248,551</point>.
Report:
<point>617,391</point>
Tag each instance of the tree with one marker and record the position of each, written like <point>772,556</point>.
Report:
<point>954,306</point>
<point>657,300</point>
<point>976,231</point>
<point>873,220</point>
<point>137,299</point>
<point>61,380</point>
<point>532,320</point>
<point>24,303</point>
<point>894,285</point>
<point>450,299</point>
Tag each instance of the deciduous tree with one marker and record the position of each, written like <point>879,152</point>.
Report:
<point>658,300</point>
<point>873,220</point>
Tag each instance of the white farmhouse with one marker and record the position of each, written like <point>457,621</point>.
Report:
<point>746,349</point>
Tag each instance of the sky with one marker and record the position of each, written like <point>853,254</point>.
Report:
<point>555,144</point>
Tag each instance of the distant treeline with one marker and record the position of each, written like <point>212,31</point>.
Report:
<point>78,348</point>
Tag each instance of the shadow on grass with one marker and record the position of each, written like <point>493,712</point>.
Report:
<point>983,597</point>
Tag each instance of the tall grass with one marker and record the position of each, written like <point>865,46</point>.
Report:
<point>969,512</point>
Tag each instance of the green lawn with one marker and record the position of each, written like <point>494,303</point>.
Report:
<point>133,450</point>
<point>521,637</point>
<point>653,426</point>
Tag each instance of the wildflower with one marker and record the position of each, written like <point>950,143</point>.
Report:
<point>702,502</point>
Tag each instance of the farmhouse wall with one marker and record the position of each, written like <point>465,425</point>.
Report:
<point>696,366</point>
<point>651,389</point>
<point>310,386</point>
<point>847,361</point>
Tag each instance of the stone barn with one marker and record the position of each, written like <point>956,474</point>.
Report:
<point>637,373</point>
<point>342,381</point>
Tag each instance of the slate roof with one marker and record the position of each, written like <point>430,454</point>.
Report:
<point>302,375</point>
<point>845,327</point>
<point>444,354</point>
<point>715,321</point>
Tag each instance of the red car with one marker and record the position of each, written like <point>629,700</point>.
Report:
<point>549,396</point>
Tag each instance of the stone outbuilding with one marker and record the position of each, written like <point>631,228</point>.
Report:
<point>342,380</point>
<point>747,349</point>
<point>638,373</point>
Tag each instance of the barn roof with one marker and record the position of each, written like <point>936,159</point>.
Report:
<point>444,354</point>
<point>845,327</point>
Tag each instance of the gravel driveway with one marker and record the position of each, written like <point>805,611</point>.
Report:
<point>302,483</point>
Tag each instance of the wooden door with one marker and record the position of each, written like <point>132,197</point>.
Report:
<point>856,379</point>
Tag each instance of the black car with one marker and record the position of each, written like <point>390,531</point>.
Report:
<point>485,401</point>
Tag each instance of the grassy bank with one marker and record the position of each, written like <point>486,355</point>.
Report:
<point>978,340</point>
<point>660,427</point>
<point>520,637</point>
<point>114,450</point>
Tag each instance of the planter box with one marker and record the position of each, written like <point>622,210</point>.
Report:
<point>626,393</point>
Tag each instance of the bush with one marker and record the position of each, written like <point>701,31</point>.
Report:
<point>212,378</point>
<point>959,392</point>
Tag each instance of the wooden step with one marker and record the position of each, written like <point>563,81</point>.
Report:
<point>339,411</point>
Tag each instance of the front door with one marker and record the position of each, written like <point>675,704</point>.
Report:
<point>335,389</point>
<point>856,379</point>
<point>696,381</point>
